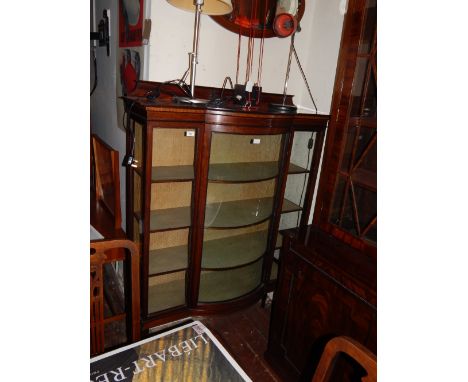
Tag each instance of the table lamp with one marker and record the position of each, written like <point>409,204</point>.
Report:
<point>208,7</point>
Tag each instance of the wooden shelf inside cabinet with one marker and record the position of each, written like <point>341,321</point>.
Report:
<point>168,259</point>
<point>242,172</point>
<point>234,251</point>
<point>168,219</point>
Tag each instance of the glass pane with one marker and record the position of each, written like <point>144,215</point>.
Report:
<point>115,333</point>
<point>338,199</point>
<point>366,202</point>
<point>139,143</point>
<point>234,247</point>
<point>173,147</point>
<point>114,296</point>
<point>358,86</point>
<point>366,134</point>
<point>369,27</point>
<point>348,149</point>
<point>229,284</point>
<point>370,104</point>
<point>168,251</point>
<point>348,222</point>
<point>372,233</point>
<point>136,193</point>
<point>239,204</point>
<point>166,291</point>
<point>239,148</point>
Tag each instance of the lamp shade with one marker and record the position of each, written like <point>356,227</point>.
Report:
<point>210,7</point>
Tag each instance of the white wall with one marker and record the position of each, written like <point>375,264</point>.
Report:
<point>106,108</point>
<point>317,46</point>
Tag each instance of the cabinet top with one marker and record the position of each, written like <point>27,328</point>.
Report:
<point>156,98</point>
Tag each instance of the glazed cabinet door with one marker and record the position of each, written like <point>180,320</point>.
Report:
<point>242,184</point>
<point>162,188</point>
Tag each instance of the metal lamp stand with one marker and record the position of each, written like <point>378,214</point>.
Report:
<point>193,58</point>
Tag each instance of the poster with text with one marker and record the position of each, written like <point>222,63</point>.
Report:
<point>187,353</point>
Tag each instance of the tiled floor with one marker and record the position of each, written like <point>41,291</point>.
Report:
<point>245,336</point>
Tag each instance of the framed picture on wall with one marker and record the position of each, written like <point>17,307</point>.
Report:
<point>130,22</point>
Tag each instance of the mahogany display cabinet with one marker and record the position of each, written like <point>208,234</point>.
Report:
<point>206,198</point>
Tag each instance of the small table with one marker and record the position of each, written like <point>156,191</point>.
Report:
<point>186,353</point>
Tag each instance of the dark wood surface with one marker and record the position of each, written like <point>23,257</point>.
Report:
<point>244,334</point>
<point>164,113</point>
<point>325,289</point>
<point>105,211</point>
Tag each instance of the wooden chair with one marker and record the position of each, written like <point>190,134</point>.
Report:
<point>105,180</point>
<point>103,253</point>
<point>353,349</point>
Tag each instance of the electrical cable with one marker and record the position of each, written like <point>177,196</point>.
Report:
<point>305,178</point>
<point>260,56</point>
<point>131,157</point>
<point>238,55</point>
<point>95,71</point>
<point>303,76</point>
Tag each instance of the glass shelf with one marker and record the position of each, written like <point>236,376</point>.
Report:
<point>172,173</point>
<point>234,251</point>
<point>226,285</point>
<point>239,213</point>
<point>295,169</point>
<point>168,259</point>
<point>242,172</point>
<point>289,206</point>
<point>166,291</point>
<point>222,172</point>
<point>169,218</point>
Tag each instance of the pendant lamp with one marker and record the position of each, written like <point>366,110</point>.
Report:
<point>207,7</point>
